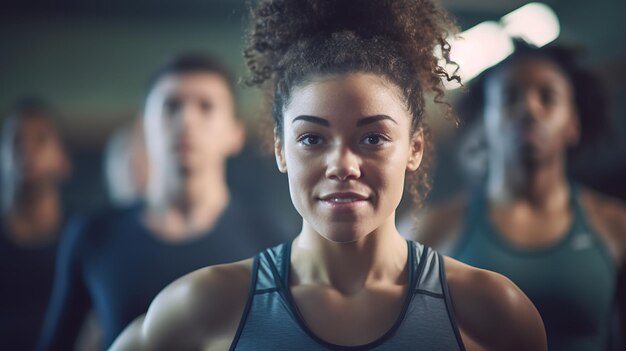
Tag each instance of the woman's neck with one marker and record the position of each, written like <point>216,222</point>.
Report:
<point>538,185</point>
<point>349,267</point>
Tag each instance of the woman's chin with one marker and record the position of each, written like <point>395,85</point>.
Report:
<point>340,231</point>
<point>345,235</point>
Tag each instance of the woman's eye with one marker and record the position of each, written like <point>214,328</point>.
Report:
<point>373,139</point>
<point>310,139</point>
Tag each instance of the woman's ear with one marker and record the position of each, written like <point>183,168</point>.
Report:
<point>279,152</point>
<point>416,151</point>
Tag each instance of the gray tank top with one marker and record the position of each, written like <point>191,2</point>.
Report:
<point>271,320</point>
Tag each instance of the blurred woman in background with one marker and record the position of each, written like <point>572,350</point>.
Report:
<point>561,243</point>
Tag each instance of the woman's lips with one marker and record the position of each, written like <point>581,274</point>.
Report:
<point>344,200</point>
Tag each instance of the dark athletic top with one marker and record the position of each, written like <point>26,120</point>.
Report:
<point>25,283</point>
<point>271,320</point>
<point>113,264</point>
<point>572,283</point>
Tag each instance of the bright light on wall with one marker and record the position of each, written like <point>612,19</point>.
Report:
<point>479,48</point>
<point>488,43</point>
<point>535,22</point>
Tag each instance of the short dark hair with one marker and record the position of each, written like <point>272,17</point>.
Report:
<point>31,105</point>
<point>189,63</point>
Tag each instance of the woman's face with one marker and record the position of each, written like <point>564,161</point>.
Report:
<point>346,147</point>
<point>530,112</point>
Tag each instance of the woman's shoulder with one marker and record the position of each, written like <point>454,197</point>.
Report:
<point>212,297</point>
<point>209,284</point>
<point>203,307</point>
<point>607,215</point>
<point>609,208</point>
<point>491,311</point>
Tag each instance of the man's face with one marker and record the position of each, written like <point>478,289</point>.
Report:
<point>39,152</point>
<point>190,122</point>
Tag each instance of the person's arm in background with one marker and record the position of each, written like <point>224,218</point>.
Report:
<point>608,216</point>
<point>70,301</point>
<point>621,305</point>
<point>615,218</point>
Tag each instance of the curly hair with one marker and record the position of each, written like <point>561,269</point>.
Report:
<point>290,42</point>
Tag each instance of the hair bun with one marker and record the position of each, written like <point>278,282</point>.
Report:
<point>417,26</point>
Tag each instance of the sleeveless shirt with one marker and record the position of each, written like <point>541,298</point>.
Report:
<point>271,320</point>
<point>571,282</point>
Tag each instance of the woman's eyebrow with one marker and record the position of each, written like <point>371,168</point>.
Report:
<point>312,119</point>
<point>359,123</point>
<point>374,119</point>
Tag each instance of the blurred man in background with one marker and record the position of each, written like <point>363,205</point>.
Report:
<point>118,261</point>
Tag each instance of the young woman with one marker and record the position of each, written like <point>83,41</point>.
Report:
<point>347,81</point>
<point>561,243</point>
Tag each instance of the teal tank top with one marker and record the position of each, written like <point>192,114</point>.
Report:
<point>572,283</point>
<point>271,320</point>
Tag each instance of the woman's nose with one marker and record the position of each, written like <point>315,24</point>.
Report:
<point>343,164</point>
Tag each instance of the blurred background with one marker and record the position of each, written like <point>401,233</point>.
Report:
<point>91,59</point>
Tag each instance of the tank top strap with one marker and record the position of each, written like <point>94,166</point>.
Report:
<point>254,284</point>
<point>580,219</point>
<point>430,280</point>
<point>272,267</point>
<point>427,271</point>
<point>581,224</point>
<point>264,279</point>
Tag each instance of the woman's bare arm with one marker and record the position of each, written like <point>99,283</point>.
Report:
<point>492,312</point>
<point>199,310</point>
